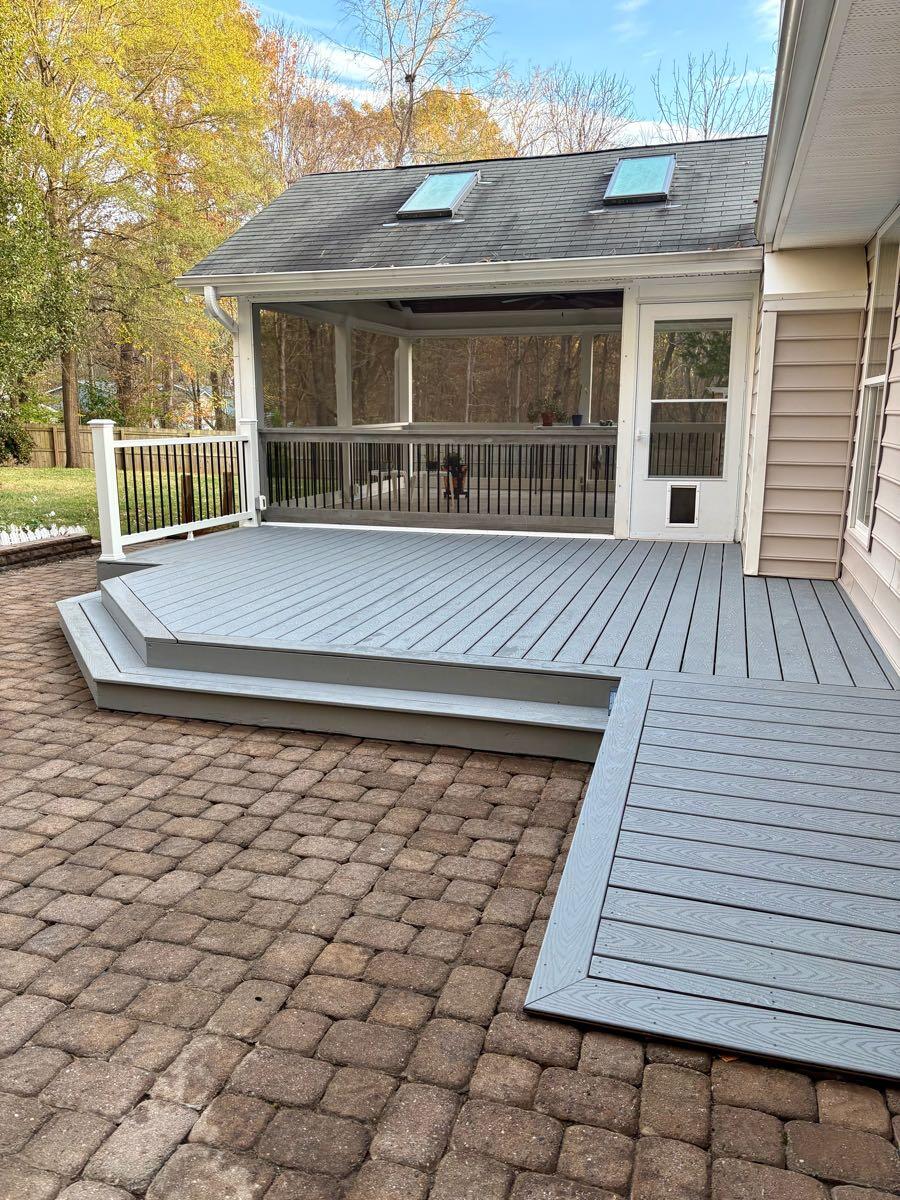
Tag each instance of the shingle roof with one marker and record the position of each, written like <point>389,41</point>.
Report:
<point>522,209</point>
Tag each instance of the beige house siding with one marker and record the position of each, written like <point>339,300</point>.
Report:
<point>871,575</point>
<point>809,437</point>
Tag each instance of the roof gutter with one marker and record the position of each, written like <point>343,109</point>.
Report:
<point>215,310</point>
<point>466,279</point>
<point>804,29</point>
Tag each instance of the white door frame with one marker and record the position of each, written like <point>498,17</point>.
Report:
<point>719,497</point>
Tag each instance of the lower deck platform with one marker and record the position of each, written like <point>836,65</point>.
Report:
<point>734,877</point>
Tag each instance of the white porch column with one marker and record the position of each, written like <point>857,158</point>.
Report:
<point>403,378</point>
<point>343,390</point>
<point>585,375</point>
<point>627,401</point>
<point>343,374</point>
<point>107,489</point>
<point>248,399</point>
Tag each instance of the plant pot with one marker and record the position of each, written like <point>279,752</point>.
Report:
<point>546,418</point>
<point>577,418</point>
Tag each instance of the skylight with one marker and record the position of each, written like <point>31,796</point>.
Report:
<point>637,179</point>
<point>439,195</point>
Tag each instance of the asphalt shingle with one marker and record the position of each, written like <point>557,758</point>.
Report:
<point>522,209</point>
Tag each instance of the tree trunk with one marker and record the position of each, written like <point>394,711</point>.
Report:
<point>125,381</point>
<point>68,362</point>
<point>195,399</point>
<point>215,387</point>
<point>470,378</point>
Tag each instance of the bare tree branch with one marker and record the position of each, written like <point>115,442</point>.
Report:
<point>420,46</point>
<point>710,96</point>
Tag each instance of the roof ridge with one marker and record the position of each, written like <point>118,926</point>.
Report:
<point>460,162</point>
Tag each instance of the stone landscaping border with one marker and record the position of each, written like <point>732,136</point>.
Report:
<point>25,554</point>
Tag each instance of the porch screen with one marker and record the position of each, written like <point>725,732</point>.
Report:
<point>689,398</point>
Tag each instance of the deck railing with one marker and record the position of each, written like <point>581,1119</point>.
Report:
<point>162,486</point>
<point>531,478</point>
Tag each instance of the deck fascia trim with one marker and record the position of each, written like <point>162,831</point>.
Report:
<point>568,944</point>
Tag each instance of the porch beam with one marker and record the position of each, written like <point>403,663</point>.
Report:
<point>585,375</point>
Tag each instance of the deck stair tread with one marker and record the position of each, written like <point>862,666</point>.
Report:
<point>127,664</point>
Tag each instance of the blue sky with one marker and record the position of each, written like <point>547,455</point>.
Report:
<point>624,36</point>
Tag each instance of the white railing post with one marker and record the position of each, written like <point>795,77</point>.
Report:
<point>107,489</point>
<point>248,427</point>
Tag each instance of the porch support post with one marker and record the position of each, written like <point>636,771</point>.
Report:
<point>403,412</point>
<point>585,375</point>
<point>627,400</point>
<point>248,399</point>
<point>343,390</point>
<point>102,436</point>
<point>758,449</point>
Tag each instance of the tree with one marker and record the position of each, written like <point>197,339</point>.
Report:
<point>453,126</point>
<point>311,128</point>
<point>581,111</point>
<point>418,47</point>
<point>709,96</point>
<point>35,304</point>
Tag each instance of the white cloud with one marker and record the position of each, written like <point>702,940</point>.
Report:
<point>629,26</point>
<point>768,13</point>
<point>347,64</point>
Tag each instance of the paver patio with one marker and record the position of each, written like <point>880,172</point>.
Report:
<point>242,963</point>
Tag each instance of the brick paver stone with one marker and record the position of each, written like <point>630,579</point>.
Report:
<point>523,1139</point>
<point>199,1172</point>
<point>139,1146</point>
<point>735,1180</point>
<point>415,1125</point>
<point>314,1142</point>
<point>842,1155</point>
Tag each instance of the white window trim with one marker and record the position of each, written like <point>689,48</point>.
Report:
<point>861,531</point>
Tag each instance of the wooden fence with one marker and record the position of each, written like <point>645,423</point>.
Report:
<point>50,442</point>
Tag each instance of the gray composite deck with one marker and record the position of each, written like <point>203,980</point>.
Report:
<point>734,878</point>
<point>599,604</point>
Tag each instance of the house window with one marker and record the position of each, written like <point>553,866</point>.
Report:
<point>874,381</point>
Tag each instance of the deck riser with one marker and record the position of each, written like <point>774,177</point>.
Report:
<point>495,737</point>
<point>366,670</point>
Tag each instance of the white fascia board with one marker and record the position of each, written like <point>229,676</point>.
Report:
<point>466,279</point>
<point>808,41</point>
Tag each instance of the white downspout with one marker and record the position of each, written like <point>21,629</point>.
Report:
<point>215,310</point>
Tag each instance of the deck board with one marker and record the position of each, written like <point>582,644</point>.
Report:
<point>598,604</point>
<point>762,915</point>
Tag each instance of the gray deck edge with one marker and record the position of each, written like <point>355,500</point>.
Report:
<point>730,1026</point>
<point>568,944</point>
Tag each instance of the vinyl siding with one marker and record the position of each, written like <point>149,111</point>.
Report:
<point>871,576</point>
<point>809,439</point>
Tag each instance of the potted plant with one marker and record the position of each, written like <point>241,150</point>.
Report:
<point>577,418</point>
<point>550,411</point>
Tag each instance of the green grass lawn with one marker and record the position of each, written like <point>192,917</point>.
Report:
<point>34,496</point>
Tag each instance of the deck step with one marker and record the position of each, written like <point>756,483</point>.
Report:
<point>103,642</point>
<point>277,658</point>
